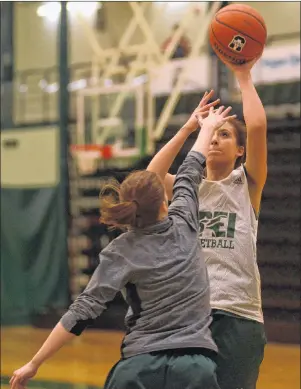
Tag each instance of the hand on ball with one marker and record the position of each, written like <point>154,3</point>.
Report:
<point>239,69</point>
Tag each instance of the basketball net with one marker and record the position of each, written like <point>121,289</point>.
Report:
<point>87,156</point>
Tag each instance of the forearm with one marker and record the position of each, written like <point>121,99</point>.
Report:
<point>253,110</point>
<point>203,141</point>
<point>57,338</point>
<point>163,160</point>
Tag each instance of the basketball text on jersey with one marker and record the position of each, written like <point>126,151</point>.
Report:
<point>217,229</point>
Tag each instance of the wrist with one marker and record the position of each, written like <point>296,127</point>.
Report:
<point>35,363</point>
<point>243,77</point>
<point>187,129</point>
<point>209,127</point>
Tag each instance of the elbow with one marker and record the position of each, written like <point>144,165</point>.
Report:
<point>154,169</point>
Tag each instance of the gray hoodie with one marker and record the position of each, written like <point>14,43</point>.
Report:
<point>162,273</point>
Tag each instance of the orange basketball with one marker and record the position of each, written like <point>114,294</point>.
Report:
<point>237,33</point>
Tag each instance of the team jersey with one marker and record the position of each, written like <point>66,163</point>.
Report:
<point>228,235</point>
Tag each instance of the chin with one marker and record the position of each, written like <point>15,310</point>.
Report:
<point>215,159</point>
<point>215,156</point>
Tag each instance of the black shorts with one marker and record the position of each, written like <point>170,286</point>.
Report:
<point>170,369</point>
<point>241,344</point>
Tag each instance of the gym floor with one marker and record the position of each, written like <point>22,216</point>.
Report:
<point>84,363</point>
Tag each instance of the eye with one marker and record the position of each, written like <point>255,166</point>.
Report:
<point>224,134</point>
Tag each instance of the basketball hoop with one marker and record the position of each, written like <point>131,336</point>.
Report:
<point>87,156</point>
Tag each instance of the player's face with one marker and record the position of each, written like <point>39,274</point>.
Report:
<point>223,147</point>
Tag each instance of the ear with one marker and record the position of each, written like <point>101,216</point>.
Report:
<point>240,151</point>
<point>164,207</point>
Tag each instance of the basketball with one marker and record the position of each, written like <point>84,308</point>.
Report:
<point>238,33</point>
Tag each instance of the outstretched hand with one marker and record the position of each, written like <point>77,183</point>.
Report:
<point>202,110</point>
<point>22,376</point>
<point>241,69</point>
<point>216,118</point>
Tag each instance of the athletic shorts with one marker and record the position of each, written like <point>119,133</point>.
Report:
<point>168,369</point>
<point>241,344</point>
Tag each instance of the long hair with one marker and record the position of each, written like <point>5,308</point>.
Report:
<point>241,139</point>
<point>134,203</point>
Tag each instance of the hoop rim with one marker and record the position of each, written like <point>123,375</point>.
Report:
<point>104,151</point>
<point>86,147</point>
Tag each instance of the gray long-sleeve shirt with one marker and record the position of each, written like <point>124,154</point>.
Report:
<point>163,275</point>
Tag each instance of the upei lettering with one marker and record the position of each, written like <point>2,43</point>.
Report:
<point>217,225</point>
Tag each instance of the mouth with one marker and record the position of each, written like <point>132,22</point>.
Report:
<point>215,151</point>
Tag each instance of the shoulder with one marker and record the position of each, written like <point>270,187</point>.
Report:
<point>119,252</point>
<point>236,177</point>
<point>243,174</point>
<point>239,175</point>
<point>120,244</point>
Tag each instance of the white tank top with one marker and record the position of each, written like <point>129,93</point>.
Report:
<point>228,234</point>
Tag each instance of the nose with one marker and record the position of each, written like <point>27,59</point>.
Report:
<point>214,140</point>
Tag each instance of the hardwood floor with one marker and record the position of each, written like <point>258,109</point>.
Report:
<point>85,362</point>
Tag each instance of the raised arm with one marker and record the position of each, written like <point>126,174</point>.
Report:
<point>163,160</point>
<point>208,126</point>
<point>185,203</point>
<point>110,276</point>
<point>256,123</point>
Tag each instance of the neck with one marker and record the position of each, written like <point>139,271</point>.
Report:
<point>162,215</point>
<point>217,173</point>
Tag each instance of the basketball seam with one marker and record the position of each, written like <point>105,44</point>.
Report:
<point>244,12</point>
<point>239,31</point>
<point>243,57</point>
